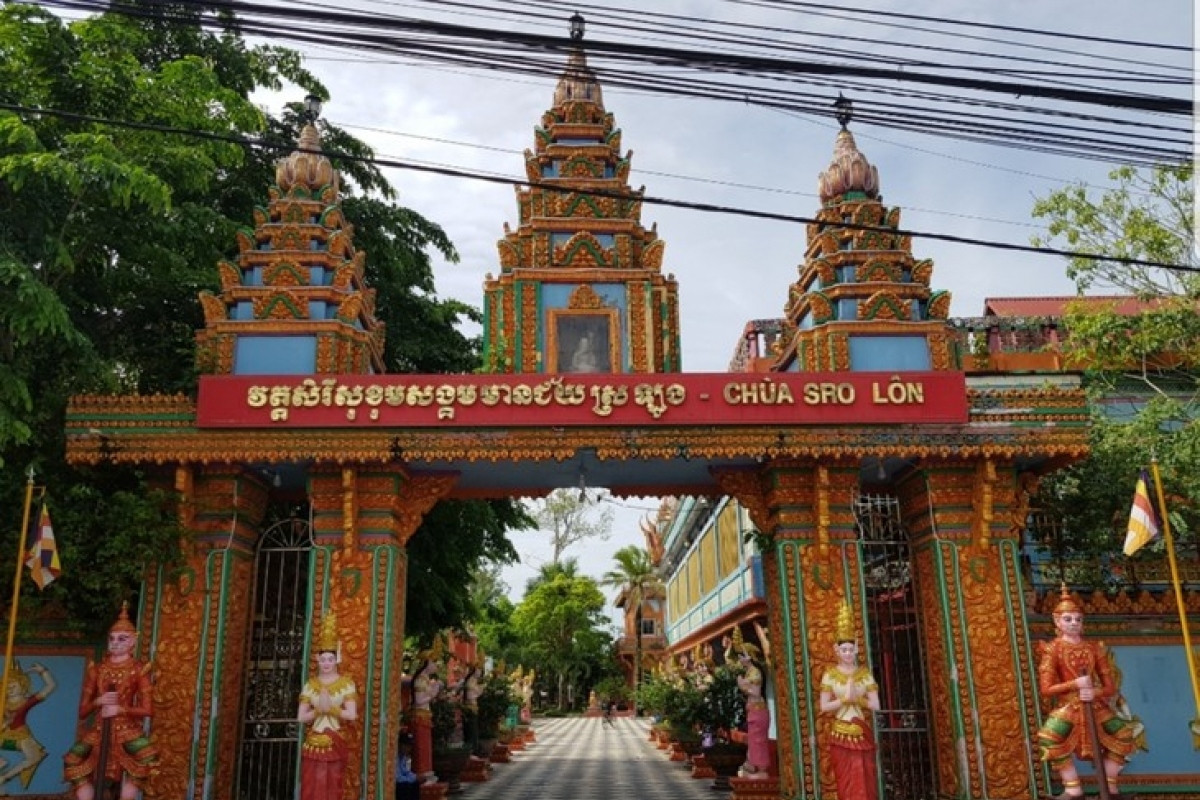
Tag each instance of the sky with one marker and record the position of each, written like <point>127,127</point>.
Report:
<point>730,269</point>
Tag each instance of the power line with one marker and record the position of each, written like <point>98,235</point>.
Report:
<point>998,124</point>
<point>620,195</point>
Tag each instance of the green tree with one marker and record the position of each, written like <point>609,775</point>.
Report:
<point>567,515</point>
<point>1142,369</point>
<point>561,623</point>
<point>108,231</point>
<point>634,575</point>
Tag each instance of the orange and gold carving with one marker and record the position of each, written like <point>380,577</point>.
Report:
<point>638,338</point>
<point>747,487</point>
<point>416,497</point>
<point>181,613</point>
<point>528,320</point>
<point>984,502</point>
<point>585,297</point>
<point>991,669</point>
<point>353,609</point>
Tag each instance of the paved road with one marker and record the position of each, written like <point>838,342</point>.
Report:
<point>582,759</point>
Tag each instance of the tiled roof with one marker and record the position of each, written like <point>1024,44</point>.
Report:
<point>1055,306</point>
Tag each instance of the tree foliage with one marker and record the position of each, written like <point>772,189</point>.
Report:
<point>108,231</point>
<point>634,574</point>
<point>1147,216</point>
<point>1141,368</point>
<point>569,518</point>
<point>561,623</point>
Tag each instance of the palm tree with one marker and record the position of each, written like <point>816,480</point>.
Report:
<point>636,577</point>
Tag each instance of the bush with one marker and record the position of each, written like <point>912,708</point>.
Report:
<point>613,688</point>
<point>493,705</point>
<point>723,708</point>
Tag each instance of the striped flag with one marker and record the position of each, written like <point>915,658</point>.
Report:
<point>42,556</point>
<point>1143,519</point>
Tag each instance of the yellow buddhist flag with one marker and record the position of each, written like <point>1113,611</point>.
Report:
<point>1143,518</point>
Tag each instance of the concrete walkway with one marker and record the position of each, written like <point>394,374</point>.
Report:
<point>582,759</point>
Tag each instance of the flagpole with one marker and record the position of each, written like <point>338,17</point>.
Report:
<point>16,593</point>
<point>1178,587</point>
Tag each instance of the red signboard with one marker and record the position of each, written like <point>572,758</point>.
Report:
<point>506,401</point>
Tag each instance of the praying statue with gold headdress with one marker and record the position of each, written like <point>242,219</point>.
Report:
<point>850,694</point>
<point>758,714</point>
<point>114,707</point>
<point>328,701</point>
<point>426,685</point>
<point>1072,672</point>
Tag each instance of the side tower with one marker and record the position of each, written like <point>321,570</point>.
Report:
<point>580,286</point>
<point>862,302</point>
<point>295,302</point>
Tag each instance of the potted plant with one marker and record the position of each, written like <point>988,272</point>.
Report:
<point>682,708</point>
<point>450,753</point>
<point>722,712</point>
<point>493,706</point>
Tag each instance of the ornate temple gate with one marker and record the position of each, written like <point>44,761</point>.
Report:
<point>893,642</point>
<point>294,376</point>
<point>275,666</point>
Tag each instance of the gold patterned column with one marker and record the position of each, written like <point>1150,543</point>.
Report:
<point>977,648</point>
<point>197,622</point>
<point>811,566</point>
<point>362,520</point>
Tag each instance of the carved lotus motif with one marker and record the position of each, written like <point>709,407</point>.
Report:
<point>849,172</point>
<point>310,171</point>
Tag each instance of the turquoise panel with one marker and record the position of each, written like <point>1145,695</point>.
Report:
<point>1155,683</point>
<point>885,353</point>
<point>275,355</point>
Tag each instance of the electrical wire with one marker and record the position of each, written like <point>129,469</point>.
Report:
<point>622,194</point>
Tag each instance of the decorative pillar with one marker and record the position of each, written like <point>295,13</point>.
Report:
<point>362,519</point>
<point>811,566</point>
<point>966,520</point>
<point>195,624</point>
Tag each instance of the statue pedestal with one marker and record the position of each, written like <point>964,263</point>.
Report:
<point>755,788</point>
<point>475,771</point>
<point>434,791</point>
<point>500,754</point>
<point>701,768</point>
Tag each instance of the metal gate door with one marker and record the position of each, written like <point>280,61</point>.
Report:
<point>894,635</point>
<point>270,734</point>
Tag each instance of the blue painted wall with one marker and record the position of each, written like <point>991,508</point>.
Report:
<point>883,353</point>
<point>1155,683</point>
<point>52,722</point>
<point>275,355</point>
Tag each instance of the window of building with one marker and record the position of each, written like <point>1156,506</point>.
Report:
<point>649,627</point>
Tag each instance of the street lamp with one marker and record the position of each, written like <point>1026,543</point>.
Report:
<point>577,24</point>
<point>312,108</point>
<point>843,110</point>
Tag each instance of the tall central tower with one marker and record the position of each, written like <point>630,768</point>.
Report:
<point>580,286</point>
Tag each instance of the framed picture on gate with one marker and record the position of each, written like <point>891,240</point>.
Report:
<point>583,341</point>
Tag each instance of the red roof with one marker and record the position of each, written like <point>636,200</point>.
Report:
<point>1056,306</point>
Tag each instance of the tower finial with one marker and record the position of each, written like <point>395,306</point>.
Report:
<point>843,110</point>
